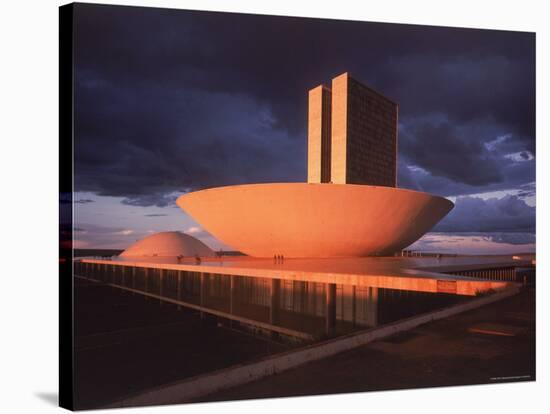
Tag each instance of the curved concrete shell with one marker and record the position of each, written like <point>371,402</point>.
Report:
<point>167,244</point>
<point>315,220</point>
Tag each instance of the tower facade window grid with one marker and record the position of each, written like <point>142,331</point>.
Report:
<point>352,139</point>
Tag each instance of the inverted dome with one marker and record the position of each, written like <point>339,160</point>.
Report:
<point>168,244</point>
<point>315,220</point>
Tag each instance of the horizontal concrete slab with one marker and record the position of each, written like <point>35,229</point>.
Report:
<point>380,277</point>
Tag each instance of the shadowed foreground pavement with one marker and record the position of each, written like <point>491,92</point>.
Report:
<point>492,344</point>
<point>125,343</point>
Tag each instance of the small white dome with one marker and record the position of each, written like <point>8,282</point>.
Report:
<point>168,244</point>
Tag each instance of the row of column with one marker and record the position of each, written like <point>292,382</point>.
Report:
<point>503,274</point>
<point>275,291</point>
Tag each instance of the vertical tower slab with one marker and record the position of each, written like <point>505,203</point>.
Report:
<point>352,135</point>
<point>319,136</point>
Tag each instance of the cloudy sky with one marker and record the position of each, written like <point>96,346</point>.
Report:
<point>170,101</point>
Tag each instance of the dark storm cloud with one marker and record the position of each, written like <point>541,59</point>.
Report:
<point>527,190</point>
<point>153,199</point>
<point>172,101</point>
<point>473,214</point>
<point>434,145</point>
<point>155,215</point>
<point>515,176</point>
<point>84,201</point>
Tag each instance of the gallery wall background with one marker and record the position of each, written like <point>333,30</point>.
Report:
<point>32,385</point>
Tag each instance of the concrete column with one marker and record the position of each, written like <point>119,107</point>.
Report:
<point>330,308</point>
<point>161,282</point>
<point>372,307</point>
<point>179,287</point>
<point>274,308</point>
<point>353,305</point>
<point>231,294</point>
<point>314,299</point>
<point>146,271</point>
<point>202,292</point>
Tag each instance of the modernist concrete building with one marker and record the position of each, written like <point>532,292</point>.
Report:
<point>319,135</point>
<point>352,135</point>
<point>167,244</point>
<point>349,207</point>
<point>315,220</point>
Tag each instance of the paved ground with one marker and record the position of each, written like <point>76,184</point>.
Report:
<point>495,343</point>
<point>126,343</point>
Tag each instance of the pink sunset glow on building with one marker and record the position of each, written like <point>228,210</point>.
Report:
<point>349,207</point>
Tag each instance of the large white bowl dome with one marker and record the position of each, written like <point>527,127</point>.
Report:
<point>315,220</point>
<point>168,244</point>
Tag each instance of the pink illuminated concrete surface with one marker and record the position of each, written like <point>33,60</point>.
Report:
<point>421,274</point>
<point>315,220</point>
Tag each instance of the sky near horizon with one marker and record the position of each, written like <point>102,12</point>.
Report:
<point>171,101</point>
